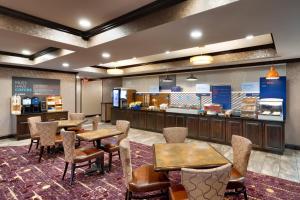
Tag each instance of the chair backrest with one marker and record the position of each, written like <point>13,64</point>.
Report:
<point>32,126</point>
<point>47,132</point>
<point>126,161</point>
<point>69,145</point>
<point>206,183</point>
<point>95,122</point>
<point>124,126</point>
<point>77,116</point>
<point>175,134</point>
<point>241,153</point>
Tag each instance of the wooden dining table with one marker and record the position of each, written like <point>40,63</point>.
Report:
<point>69,123</point>
<point>174,156</point>
<point>98,135</point>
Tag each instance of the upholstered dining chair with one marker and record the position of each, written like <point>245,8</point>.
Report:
<point>77,116</point>
<point>241,153</point>
<point>113,148</point>
<point>202,184</point>
<point>76,156</point>
<point>34,134</point>
<point>48,136</point>
<point>175,134</point>
<point>142,179</point>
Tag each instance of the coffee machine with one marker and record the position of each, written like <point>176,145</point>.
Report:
<point>26,105</point>
<point>35,105</point>
<point>122,97</point>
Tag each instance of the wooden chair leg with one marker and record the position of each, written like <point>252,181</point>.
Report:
<point>90,164</point>
<point>126,194</point>
<point>65,171</point>
<point>30,145</point>
<point>129,195</point>
<point>72,173</point>
<point>102,164</point>
<point>110,161</point>
<point>119,155</point>
<point>41,153</point>
<point>37,144</point>
<point>245,194</point>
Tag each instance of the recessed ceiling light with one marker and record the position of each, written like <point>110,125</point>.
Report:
<point>105,55</point>
<point>65,65</point>
<point>134,58</point>
<point>167,52</point>
<point>26,52</point>
<point>249,37</point>
<point>85,23</point>
<point>196,34</point>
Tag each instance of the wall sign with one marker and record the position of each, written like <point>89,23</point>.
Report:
<point>167,85</point>
<point>221,94</point>
<point>250,87</point>
<point>35,87</point>
<point>203,89</point>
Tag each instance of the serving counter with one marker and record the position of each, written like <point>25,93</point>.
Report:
<point>22,124</point>
<point>265,135</point>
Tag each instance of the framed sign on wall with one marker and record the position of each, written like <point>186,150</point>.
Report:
<point>167,85</point>
<point>30,87</point>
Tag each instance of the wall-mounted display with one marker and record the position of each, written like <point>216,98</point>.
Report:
<point>202,89</point>
<point>250,87</point>
<point>221,94</point>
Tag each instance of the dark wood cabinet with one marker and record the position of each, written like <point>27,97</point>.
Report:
<point>192,123</point>
<point>180,120</point>
<point>170,120</point>
<point>233,127</point>
<point>204,128</point>
<point>217,129</point>
<point>160,122</point>
<point>151,122</point>
<point>253,131</point>
<point>274,136</point>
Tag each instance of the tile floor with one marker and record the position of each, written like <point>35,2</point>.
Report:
<point>286,166</point>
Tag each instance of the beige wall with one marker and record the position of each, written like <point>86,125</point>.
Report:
<point>67,87</point>
<point>92,97</point>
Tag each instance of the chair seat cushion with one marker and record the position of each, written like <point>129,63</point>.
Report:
<point>236,180</point>
<point>145,179</point>
<point>177,192</point>
<point>87,153</point>
<point>110,147</point>
<point>58,139</point>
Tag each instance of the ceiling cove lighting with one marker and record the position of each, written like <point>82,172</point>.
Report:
<point>249,37</point>
<point>84,23</point>
<point>201,60</point>
<point>272,73</point>
<point>191,78</point>
<point>167,79</point>
<point>26,52</point>
<point>196,34</point>
<point>65,64</point>
<point>115,71</point>
<point>167,52</point>
<point>105,55</point>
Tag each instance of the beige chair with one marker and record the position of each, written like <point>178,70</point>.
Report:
<point>48,137</point>
<point>111,148</point>
<point>75,156</point>
<point>95,122</point>
<point>142,179</point>
<point>175,134</point>
<point>202,184</point>
<point>77,116</point>
<point>34,134</point>
<point>241,153</point>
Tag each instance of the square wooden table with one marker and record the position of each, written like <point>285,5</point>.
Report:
<point>98,135</point>
<point>70,123</point>
<point>174,156</point>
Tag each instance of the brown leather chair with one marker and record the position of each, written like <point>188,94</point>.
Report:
<point>175,134</point>
<point>241,153</point>
<point>34,134</point>
<point>75,156</point>
<point>142,179</point>
<point>202,183</point>
<point>112,148</point>
<point>48,137</point>
<point>77,116</point>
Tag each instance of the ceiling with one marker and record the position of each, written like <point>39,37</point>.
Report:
<point>220,24</point>
<point>68,12</point>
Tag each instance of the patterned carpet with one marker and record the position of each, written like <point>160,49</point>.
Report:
<point>22,177</point>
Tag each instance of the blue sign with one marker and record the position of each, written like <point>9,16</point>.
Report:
<point>176,89</point>
<point>222,95</point>
<point>274,88</point>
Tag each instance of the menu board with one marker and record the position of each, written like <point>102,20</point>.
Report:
<point>221,94</point>
<point>31,87</point>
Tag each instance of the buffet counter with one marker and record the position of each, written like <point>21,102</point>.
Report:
<point>265,135</point>
<point>22,124</point>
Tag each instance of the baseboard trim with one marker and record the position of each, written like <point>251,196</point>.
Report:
<point>7,136</point>
<point>292,146</point>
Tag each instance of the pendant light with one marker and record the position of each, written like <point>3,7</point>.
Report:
<point>272,73</point>
<point>167,79</point>
<point>191,78</point>
<point>115,71</point>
